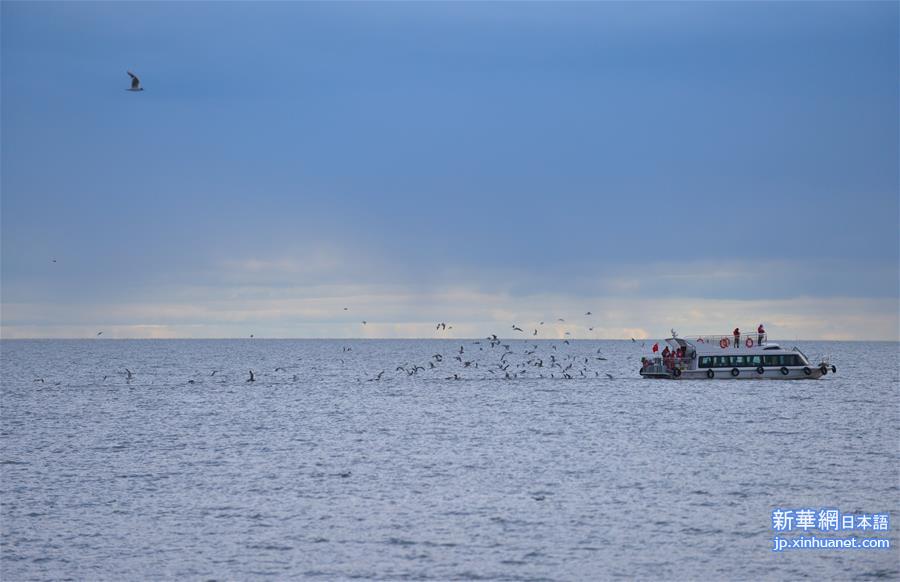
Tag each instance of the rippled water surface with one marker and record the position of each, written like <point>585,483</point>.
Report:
<point>316,470</point>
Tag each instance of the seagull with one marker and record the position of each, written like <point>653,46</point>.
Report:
<point>54,260</point>
<point>609,376</point>
<point>252,379</point>
<point>127,371</point>
<point>517,328</point>
<point>346,309</point>
<point>135,82</point>
<point>589,313</point>
<point>363,322</point>
<point>535,332</point>
<point>99,333</point>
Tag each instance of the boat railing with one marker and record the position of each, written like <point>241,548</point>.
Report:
<point>727,341</point>
<point>665,364</point>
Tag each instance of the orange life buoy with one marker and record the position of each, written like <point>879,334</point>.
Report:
<point>749,342</point>
<point>723,343</point>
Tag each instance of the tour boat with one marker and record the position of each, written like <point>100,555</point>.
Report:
<point>732,357</point>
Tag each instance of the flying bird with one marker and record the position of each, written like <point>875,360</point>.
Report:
<point>99,333</point>
<point>135,82</point>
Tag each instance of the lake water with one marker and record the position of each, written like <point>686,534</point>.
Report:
<point>316,471</point>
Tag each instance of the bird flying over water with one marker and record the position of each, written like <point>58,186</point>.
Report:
<point>99,333</point>
<point>135,82</point>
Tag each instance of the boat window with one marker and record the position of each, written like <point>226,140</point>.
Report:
<point>754,360</point>
<point>737,360</point>
<point>705,362</point>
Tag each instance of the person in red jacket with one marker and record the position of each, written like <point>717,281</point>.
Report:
<point>737,337</point>
<point>760,334</point>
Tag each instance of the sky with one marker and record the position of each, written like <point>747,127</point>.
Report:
<point>696,165</point>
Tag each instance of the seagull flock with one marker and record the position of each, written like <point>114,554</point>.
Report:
<point>490,358</point>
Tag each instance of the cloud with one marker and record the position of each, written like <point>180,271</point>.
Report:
<point>396,312</point>
<point>303,292</point>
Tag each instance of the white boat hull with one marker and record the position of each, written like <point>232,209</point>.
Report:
<point>722,358</point>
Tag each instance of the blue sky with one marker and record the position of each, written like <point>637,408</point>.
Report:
<point>699,165</point>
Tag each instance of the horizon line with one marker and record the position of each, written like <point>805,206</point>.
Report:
<point>393,339</point>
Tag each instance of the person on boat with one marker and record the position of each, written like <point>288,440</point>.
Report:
<point>761,333</point>
<point>737,337</point>
<point>665,353</point>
